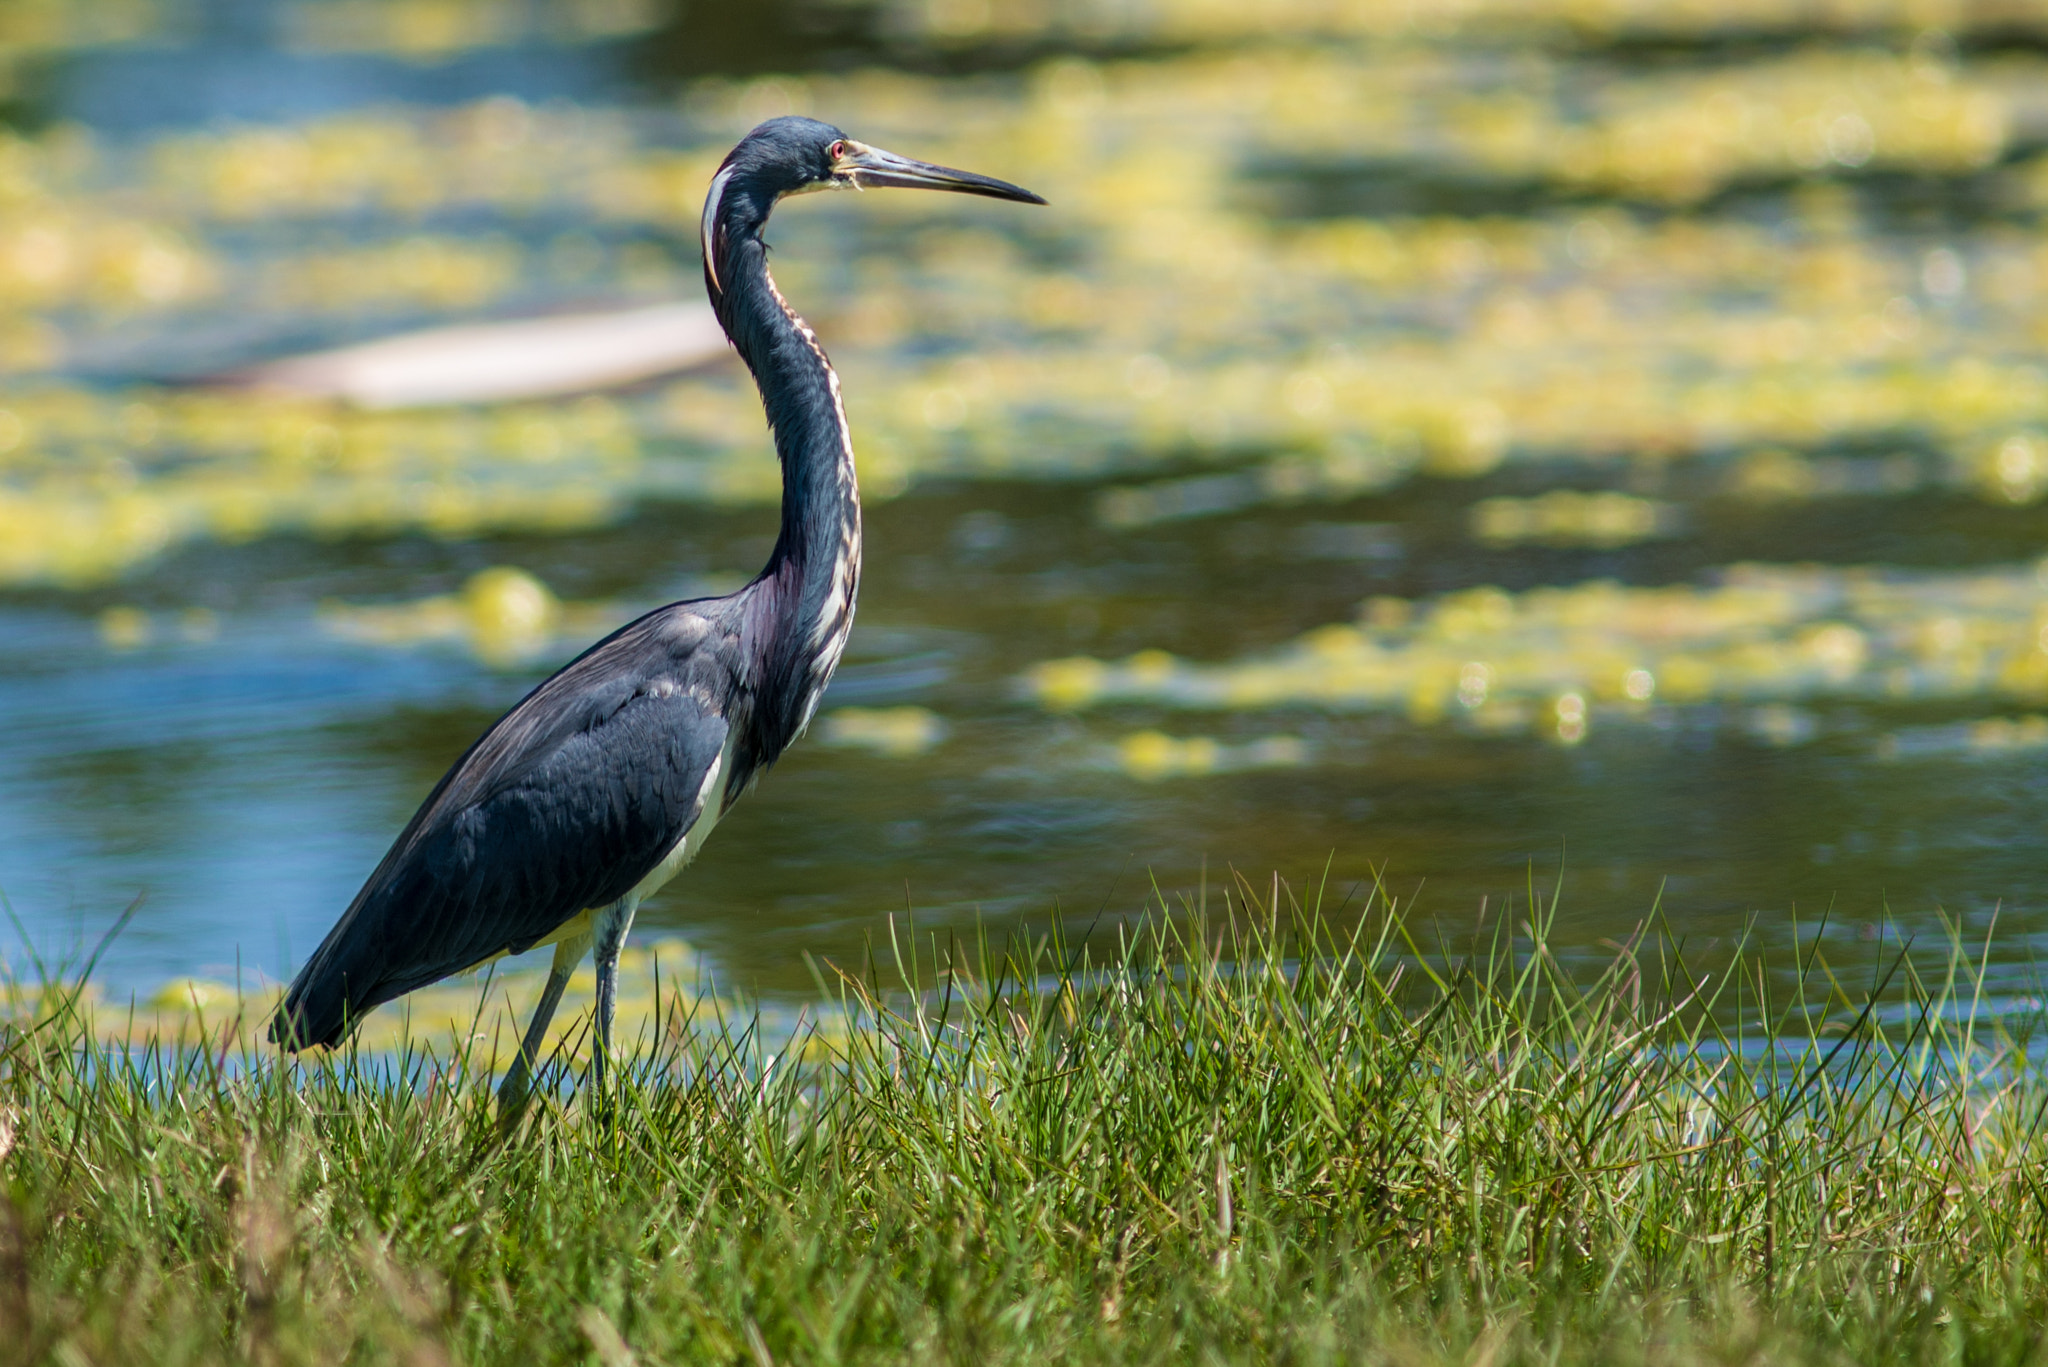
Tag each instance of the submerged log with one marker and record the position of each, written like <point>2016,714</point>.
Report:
<point>494,362</point>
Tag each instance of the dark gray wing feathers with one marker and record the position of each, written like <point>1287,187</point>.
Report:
<point>566,803</point>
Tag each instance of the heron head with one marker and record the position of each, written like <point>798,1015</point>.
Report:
<point>794,156</point>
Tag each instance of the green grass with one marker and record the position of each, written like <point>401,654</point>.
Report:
<point>1239,1137</point>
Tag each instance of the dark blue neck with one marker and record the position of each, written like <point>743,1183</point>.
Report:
<point>800,608</point>
<point>801,395</point>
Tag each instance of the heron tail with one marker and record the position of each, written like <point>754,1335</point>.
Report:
<point>315,1011</point>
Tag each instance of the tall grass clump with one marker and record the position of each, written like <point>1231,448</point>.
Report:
<point>1245,1135</point>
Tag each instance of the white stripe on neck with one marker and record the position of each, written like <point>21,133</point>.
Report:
<point>705,234</point>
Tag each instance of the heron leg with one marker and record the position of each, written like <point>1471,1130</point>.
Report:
<point>610,931</point>
<point>513,1092</point>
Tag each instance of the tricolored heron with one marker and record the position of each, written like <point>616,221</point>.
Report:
<point>605,780</point>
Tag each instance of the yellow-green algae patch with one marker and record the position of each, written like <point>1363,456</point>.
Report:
<point>89,489</point>
<point>1550,658</point>
<point>1564,517</point>
<point>1990,736</point>
<point>1153,755</point>
<point>431,30</point>
<point>1592,22</point>
<point>427,30</point>
<point>897,732</point>
<point>483,1012</point>
<point>503,615</point>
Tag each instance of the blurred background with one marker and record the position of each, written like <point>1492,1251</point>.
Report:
<point>1464,442</point>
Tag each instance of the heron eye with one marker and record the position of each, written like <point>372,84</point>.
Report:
<point>836,150</point>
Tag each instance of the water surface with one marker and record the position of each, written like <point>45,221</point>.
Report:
<point>1317,340</point>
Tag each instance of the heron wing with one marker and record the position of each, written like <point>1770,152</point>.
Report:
<point>572,798</point>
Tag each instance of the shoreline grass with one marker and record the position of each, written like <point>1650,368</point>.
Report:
<point>1246,1136</point>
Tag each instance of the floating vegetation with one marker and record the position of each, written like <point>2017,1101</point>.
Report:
<point>1778,476</point>
<point>438,28</point>
<point>1566,518</point>
<point>498,154</point>
<point>505,616</point>
<point>1991,736</point>
<point>1342,472</point>
<point>1153,755</point>
<point>1554,660</point>
<point>90,489</point>
<point>897,732</point>
<point>125,628</point>
<point>1580,21</point>
<point>1679,138</point>
<point>31,29</point>
<point>1307,272</point>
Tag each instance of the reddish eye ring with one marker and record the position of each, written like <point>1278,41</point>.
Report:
<point>836,150</point>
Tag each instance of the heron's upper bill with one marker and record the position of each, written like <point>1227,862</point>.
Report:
<point>870,168</point>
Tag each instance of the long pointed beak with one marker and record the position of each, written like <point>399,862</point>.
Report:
<point>872,168</point>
